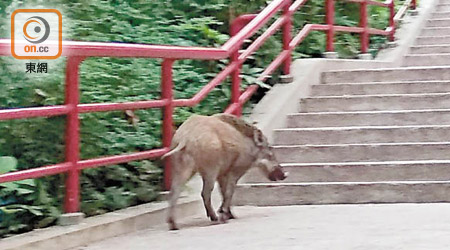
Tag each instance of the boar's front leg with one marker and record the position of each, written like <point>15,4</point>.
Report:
<point>227,186</point>
<point>223,180</point>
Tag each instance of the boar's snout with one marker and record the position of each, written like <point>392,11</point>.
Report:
<point>278,174</point>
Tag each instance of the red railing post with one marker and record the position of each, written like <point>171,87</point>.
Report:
<point>72,149</point>
<point>236,84</point>
<point>329,16</point>
<point>235,27</point>
<point>391,20</point>
<point>287,37</point>
<point>363,23</point>
<point>167,131</point>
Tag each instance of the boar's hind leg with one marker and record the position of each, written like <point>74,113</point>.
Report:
<point>208,186</point>
<point>223,187</point>
<point>180,175</point>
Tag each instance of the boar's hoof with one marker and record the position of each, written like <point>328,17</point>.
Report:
<point>172,225</point>
<point>228,214</point>
<point>213,217</point>
<point>223,218</point>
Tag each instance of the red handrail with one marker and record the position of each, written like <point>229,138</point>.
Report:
<point>242,28</point>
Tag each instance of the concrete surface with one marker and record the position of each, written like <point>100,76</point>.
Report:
<point>433,40</point>
<point>374,118</point>
<point>361,172</point>
<point>387,75</point>
<point>353,155</point>
<point>377,88</point>
<point>331,227</point>
<point>430,49</point>
<point>440,15</point>
<point>107,225</point>
<point>438,22</point>
<point>361,135</point>
<point>271,112</point>
<point>436,31</point>
<point>316,193</point>
<point>70,219</point>
<point>365,56</point>
<point>443,7</point>
<point>378,152</point>
<point>438,59</point>
<point>376,102</point>
<point>330,55</point>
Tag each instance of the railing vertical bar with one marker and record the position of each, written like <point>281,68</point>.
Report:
<point>287,37</point>
<point>236,84</point>
<point>329,16</point>
<point>392,20</point>
<point>363,23</point>
<point>414,4</point>
<point>167,133</point>
<point>72,198</point>
<point>235,27</point>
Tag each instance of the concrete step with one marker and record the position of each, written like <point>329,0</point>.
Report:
<point>284,194</point>
<point>427,60</point>
<point>443,22</point>
<point>411,87</point>
<point>376,102</point>
<point>432,40</point>
<point>361,135</point>
<point>387,75</point>
<point>440,14</point>
<point>438,22</point>
<point>430,49</point>
<point>440,31</point>
<point>359,171</point>
<point>369,118</point>
<point>363,152</point>
<point>442,7</point>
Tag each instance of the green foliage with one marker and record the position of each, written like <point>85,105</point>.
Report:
<point>25,204</point>
<point>36,142</point>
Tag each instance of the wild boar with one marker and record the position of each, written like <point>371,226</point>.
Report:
<point>221,148</point>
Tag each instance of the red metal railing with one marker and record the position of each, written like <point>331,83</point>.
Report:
<point>242,28</point>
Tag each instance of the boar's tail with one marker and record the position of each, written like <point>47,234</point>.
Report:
<point>179,147</point>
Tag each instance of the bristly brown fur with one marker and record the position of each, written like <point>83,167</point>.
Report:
<point>240,125</point>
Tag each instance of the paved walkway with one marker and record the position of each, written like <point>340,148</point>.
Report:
<point>334,227</point>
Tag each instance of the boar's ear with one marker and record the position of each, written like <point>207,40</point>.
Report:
<point>259,139</point>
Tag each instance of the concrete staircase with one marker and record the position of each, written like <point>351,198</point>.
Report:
<point>369,136</point>
<point>433,46</point>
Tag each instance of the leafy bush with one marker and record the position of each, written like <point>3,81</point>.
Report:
<point>35,142</point>
<point>24,205</point>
